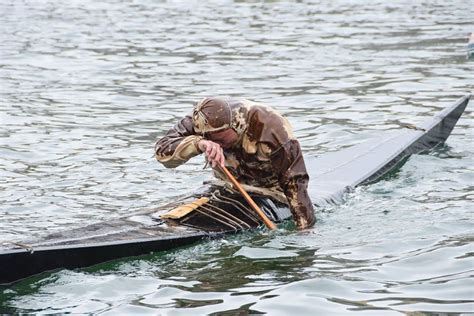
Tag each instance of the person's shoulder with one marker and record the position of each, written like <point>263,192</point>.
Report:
<point>259,114</point>
<point>255,107</point>
<point>269,127</point>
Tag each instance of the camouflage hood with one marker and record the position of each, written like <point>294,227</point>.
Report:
<point>217,114</point>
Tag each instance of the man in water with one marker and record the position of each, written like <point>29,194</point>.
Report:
<point>253,141</point>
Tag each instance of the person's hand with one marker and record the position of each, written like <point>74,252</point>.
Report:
<point>213,152</point>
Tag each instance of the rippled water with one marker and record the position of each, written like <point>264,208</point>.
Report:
<point>87,86</point>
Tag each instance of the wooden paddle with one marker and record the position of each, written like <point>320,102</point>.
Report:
<point>247,197</point>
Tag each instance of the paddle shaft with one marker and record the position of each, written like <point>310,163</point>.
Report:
<point>247,197</point>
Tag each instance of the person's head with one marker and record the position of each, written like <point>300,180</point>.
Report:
<point>212,118</point>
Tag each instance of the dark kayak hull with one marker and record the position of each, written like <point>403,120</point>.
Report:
<point>20,263</point>
<point>332,175</point>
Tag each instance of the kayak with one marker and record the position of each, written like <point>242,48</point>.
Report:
<point>217,210</point>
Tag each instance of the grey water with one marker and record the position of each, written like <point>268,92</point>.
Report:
<point>86,87</point>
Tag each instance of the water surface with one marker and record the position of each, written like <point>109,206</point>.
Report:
<point>86,87</point>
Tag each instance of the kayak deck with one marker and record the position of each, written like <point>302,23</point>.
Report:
<point>332,175</point>
<point>336,173</point>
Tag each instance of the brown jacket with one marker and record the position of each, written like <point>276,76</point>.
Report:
<point>266,154</point>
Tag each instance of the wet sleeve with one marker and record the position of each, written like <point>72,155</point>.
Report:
<point>178,145</point>
<point>288,164</point>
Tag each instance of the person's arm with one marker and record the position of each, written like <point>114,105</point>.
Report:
<point>288,164</point>
<point>181,144</point>
<point>178,145</point>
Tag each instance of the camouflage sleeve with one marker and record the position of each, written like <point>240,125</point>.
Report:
<point>178,145</point>
<point>288,164</point>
